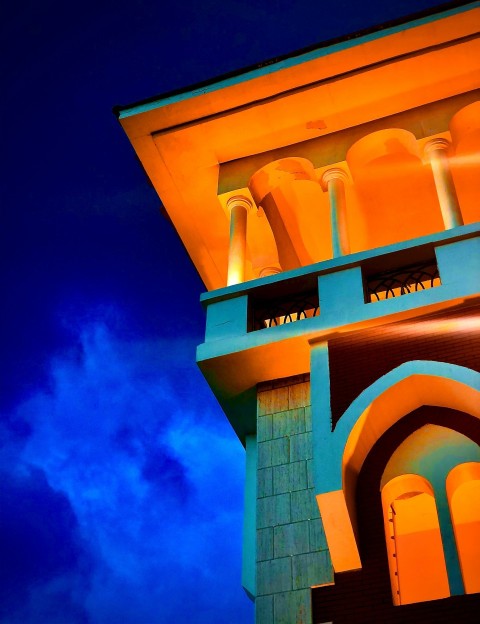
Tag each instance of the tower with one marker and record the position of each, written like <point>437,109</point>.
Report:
<point>330,203</point>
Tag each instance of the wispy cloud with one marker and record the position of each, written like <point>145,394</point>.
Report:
<point>130,439</point>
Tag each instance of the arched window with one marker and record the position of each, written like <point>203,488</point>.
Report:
<point>463,492</point>
<point>415,552</point>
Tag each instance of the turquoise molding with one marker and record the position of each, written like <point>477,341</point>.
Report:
<point>249,558</point>
<point>341,300</point>
<point>335,264</point>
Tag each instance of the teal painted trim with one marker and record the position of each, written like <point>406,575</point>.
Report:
<point>333,446</point>
<point>334,264</point>
<point>249,559</point>
<point>321,414</point>
<point>351,310</point>
<point>291,61</point>
<point>227,318</point>
<point>459,263</point>
<point>335,289</point>
<point>471,453</point>
<point>450,551</point>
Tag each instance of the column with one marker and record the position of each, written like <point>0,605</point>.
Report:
<point>436,153</point>
<point>333,180</point>
<point>238,207</point>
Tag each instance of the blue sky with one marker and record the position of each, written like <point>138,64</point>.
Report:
<point>122,482</point>
<point>115,485</point>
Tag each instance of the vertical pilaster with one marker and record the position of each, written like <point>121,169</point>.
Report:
<point>249,525</point>
<point>292,555</point>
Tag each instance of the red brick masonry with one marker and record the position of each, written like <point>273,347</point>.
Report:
<point>360,358</point>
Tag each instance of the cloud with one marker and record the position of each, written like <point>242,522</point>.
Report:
<point>131,440</point>
<point>44,560</point>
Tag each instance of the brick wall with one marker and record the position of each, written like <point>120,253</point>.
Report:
<point>292,553</point>
<point>360,358</point>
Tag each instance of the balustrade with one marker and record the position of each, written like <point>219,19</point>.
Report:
<point>401,281</point>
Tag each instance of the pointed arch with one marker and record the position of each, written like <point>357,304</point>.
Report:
<point>416,559</point>
<point>371,414</point>
<point>396,394</point>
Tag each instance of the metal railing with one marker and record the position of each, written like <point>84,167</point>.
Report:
<point>268,309</point>
<point>270,313</point>
<point>402,281</point>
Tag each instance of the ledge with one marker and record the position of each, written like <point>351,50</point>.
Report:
<point>351,260</point>
<point>234,360</point>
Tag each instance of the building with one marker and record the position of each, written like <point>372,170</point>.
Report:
<point>330,202</point>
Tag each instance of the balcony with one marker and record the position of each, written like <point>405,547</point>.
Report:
<point>266,311</point>
<point>262,329</point>
<point>400,281</point>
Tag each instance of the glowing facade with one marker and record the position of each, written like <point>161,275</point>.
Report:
<point>330,202</point>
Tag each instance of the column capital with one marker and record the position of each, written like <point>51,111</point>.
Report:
<point>269,270</point>
<point>437,144</point>
<point>335,173</point>
<point>239,200</point>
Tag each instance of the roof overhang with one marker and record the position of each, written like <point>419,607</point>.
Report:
<point>186,141</point>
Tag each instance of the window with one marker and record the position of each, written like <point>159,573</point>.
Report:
<point>415,552</point>
<point>463,491</point>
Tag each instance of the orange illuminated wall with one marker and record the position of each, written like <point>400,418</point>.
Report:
<point>419,523</point>
<point>416,559</point>
<point>368,107</point>
<point>390,190</point>
<point>463,488</point>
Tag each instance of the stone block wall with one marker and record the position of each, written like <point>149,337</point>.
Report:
<point>292,554</point>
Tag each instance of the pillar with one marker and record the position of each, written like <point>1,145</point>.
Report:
<point>436,152</point>
<point>238,207</point>
<point>333,181</point>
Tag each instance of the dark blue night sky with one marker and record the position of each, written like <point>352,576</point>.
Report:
<point>121,481</point>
